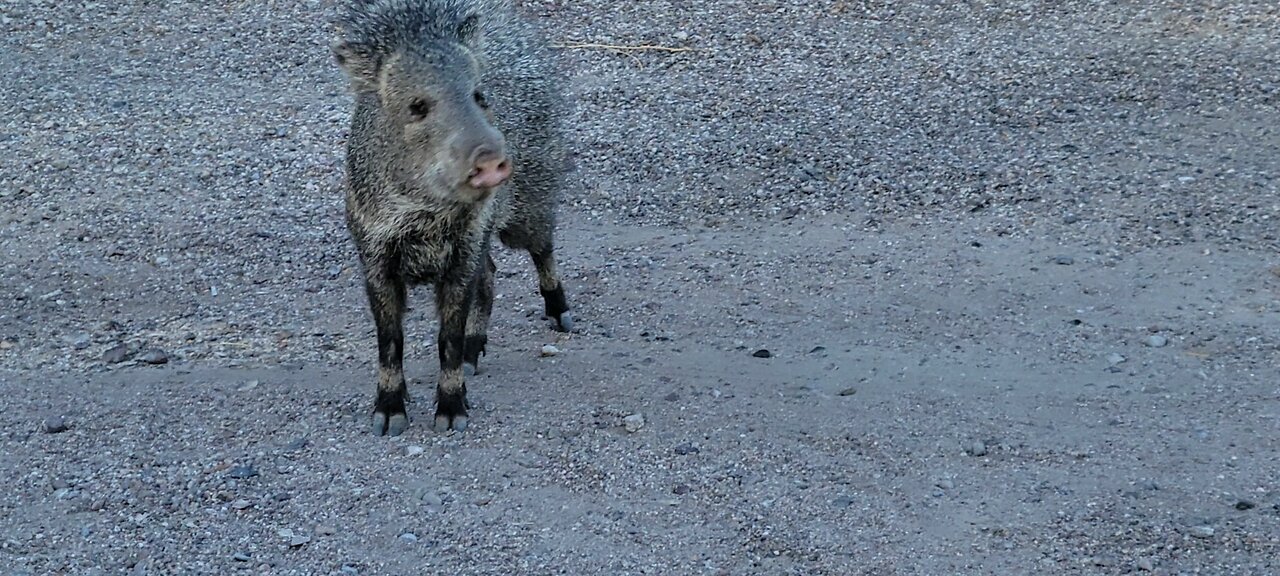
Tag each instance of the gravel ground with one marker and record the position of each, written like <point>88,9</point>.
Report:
<point>1016,267</point>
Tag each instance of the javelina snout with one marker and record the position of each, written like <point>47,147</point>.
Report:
<point>489,168</point>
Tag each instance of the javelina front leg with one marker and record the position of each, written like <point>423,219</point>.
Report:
<point>557,307</point>
<point>386,292</point>
<point>478,318</point>
<point>453,300</point>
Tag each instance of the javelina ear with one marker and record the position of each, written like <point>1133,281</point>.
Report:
<point>469,30</point>
<point>359,62</point>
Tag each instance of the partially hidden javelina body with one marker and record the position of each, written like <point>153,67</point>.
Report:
<point>454,140</point>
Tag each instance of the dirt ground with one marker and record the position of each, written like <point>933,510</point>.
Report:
<point>1016,266</point>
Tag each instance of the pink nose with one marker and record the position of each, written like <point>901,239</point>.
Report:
<point>491,172</point>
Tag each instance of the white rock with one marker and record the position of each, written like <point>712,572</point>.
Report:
<point>633,423</point>
<point>549,350</point>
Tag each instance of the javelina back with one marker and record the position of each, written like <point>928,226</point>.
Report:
<point>454,138</point>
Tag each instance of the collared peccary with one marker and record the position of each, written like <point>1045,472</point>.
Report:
<point>454,139</point>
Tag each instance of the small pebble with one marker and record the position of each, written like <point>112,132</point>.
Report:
<point>1064,260</point>
<point>848,392</point>
<point>299,540</point>
<point>1146,565</point>
<point>762,353</point>
<point>549,350</point>
<point>325,530</point>
<point>1114,359</point>
<point>818,349</point>
<point>1070,219</point>
<point>409,537</point>
<point>1155,341</point>
<point>672,397</point>
<point>414,451</point>
<point>116,354</point>
<point>686,449</point>
<point>1245,505</point>
<point>349,569</point>
<point>154,356</point>
<point>1202,531</point>
<point>946,484</point>
<point>243,472</point>
<point>54,425</point>
<point>977,448</point>
<point>431,500</point>
<point>240,557</point>
<point>241,504</point>
<point>82,341</point>
<point>680,489</point>
<point>633,423</point>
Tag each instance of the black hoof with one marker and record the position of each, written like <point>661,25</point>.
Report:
<point>557,307</point>
<point>451,412</point>
<point>389,416</point>
<point>473,349</point>
<point>564,323</point>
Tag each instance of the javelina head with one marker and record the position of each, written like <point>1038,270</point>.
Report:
<point>422,62</point>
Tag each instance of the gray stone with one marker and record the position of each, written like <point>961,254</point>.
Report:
<point>242,472</point>
<point>54,425</point>
<point>116,354</point>
<point>154,356</point>
<point>686,449</point>
<point>633,423</point>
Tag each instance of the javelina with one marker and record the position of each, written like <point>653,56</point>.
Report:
<point>454,138</point>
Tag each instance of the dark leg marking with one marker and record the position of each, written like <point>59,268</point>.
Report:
<point>473,349</point>
<point>386,291</point>
<point>557,306</point>
<point>478,316</point>
<point>453,300</point>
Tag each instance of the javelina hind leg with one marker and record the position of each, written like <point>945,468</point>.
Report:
<point>386,292</point>
<point>478,318</point>
<point>453,300</point>
<point>557,307</point>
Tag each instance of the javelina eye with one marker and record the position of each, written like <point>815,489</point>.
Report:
<point>419,108</point>
<point>481,101</point>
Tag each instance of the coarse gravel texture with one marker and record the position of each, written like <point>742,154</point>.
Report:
<point>1016,266</point>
